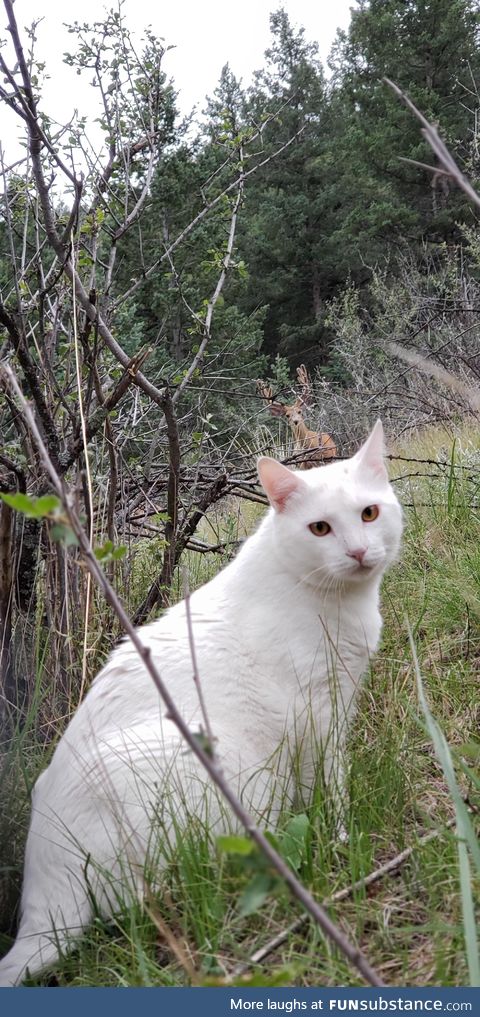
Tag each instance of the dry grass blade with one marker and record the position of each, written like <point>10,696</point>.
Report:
<point>436,371</point>
<point>177,947</point>
<point>447,162</point>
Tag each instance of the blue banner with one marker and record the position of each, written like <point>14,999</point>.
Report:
<point>225,1002</point>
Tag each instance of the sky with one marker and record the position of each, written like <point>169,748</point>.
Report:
<point>206,35</point>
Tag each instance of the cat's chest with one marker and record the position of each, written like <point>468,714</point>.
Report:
<point>308,642</point>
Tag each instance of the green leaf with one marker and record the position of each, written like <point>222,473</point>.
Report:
<point>161,517</point>
<point>273,840</point>
<point>255,894</point>
<point>108,552</point>
<point>21,502</point>
<point>47,504</point>
<point>105,551</point>
<point>203,741</point>
<point>34,508</point>
<point>468,909</point>
<point>119,552</point>
<point>294,839</point>
<point>233,845</point>
<point>63,533</point>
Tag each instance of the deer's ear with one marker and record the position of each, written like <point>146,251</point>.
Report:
<point>278,482</point>
<point>277,409</point>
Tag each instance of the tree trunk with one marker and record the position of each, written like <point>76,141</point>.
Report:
<point>316,294</point>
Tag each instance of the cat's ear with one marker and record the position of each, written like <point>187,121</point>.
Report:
<point>370,456</point>
<point>278,482</point>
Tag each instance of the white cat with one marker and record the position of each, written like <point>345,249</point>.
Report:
<point>282,637</point>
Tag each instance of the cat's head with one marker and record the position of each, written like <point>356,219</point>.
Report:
<point>338,522</point>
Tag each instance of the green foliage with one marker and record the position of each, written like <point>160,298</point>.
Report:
<point>431,51</point>
<point>234,845</point>
<point>290,842</point>
<point>34,508</point>
<point>108,552</point>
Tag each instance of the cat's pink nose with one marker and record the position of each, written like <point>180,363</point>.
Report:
<point>358,553</point>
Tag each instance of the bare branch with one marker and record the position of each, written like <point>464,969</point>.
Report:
<point>207,324</point>
<point>201,215</point>
<point>30,371</point>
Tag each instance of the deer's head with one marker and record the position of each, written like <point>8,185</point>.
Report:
<point>293,412</point>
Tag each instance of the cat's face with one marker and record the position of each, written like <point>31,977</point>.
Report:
<point>338,522</point>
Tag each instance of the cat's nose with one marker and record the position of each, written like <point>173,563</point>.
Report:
<point>358,553</point>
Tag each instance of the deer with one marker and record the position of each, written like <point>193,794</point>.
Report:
<point>318,446</point>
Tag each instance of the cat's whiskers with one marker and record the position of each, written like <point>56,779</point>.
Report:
<point>304,581</point>
<point>318,570</point>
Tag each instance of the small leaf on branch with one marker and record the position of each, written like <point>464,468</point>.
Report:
<point>235,845</point>
<point>32,507</point>
<point>255,893</point>
<point>62,532</point>
<point>109,552</point>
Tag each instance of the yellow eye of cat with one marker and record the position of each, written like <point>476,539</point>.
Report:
<point>320,529</point>
<point>370,513</point>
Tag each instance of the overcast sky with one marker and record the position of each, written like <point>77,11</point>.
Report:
<point>206,34</point>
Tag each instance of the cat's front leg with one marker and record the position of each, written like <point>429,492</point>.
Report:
<point>334,765</point>
<point>323,765</point>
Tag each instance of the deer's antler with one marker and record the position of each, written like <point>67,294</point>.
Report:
<point>265,392</point>
<point>304,398</point>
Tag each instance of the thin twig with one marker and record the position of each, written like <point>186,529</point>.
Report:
<point>318,913</point>
<point>207,324</point>
<point>89,485</point>
<point>175,945</point>
<point>201,215</point>
<point>196,672</point>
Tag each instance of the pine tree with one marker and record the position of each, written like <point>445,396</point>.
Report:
<point>284,207</point>
<point>430,49</point>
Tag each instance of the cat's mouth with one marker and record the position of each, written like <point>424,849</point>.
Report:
<point>361,567</point>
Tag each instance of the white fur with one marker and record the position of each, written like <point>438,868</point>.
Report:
<point>282,637</point>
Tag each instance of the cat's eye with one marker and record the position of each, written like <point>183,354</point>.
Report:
<point>320,529</point>
<point>370,513</point>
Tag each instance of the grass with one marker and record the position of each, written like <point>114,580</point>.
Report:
<point>416,926</point>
